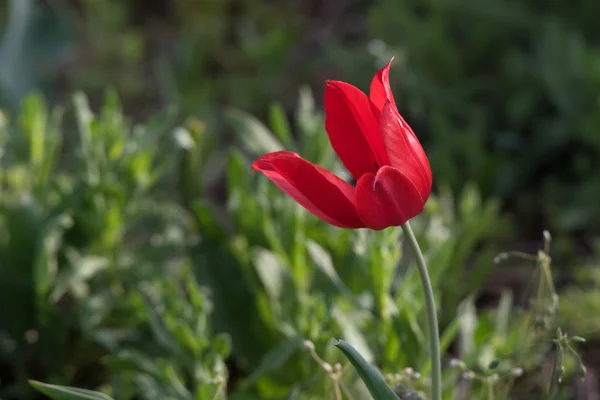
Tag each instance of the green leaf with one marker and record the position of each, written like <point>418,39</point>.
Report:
<point>222,345</point>
<point>292,395</point>
<point>369,375</point>
<point>467,317</point>
<point>270,272</point>
<point>407,329</point>
<point>254,136</point>
<point>322,260</point>
<point>280,125</point>
<point>57,392</point>
<point>46,262</point>
<point>207,220</point>
<point>84,117</point>
<point>161,332</point>
<point>126,360</point>
<point>33,120</point>
<point>274,359</point>
<point>352,332</point>
<point>306,117</point>
<point>503,314</point>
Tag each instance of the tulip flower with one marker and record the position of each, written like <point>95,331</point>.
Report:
<point>393,182</point>
<point>379,149</point>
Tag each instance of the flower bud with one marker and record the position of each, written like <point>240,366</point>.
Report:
<point>547,236</point>
<point>456,363</point>
<point>468,375</point>
<point>309,345</point>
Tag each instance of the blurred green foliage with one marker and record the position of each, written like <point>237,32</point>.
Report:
<point>146,260</point>
<point>508,94</point>
<point>94,257</point>
<point>128,291</point>
<point>502,94</point>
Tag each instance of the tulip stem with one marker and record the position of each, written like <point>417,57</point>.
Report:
<point>434,337</point>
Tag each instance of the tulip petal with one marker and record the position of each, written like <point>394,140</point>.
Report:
<point>404,150</point>
<point>380,91</point>
<point>387,199</point>
<point>316,189</point>
<point>353,129</point>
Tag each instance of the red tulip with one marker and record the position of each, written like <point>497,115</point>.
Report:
<point>378,148</point>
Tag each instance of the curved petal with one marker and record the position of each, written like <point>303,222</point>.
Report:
<point>316,189</point>
<point>387,199</point>
<point>404,150</point>
<point>380,91</point>
<point>353,129</point>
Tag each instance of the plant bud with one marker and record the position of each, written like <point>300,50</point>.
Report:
<point>309,345</point>
<point>582,371</point>
<point>547,236</point>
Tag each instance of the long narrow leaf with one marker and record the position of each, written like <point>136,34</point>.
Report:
<point>370,376</point>
<point>57,392</point>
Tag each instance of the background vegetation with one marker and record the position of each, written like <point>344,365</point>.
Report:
<point>140,257</point>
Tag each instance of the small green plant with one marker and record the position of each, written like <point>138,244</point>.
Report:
<point>79,230</point>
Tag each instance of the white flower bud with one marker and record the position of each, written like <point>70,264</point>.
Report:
<point>309,345</point>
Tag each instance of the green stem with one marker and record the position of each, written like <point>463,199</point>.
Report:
<point>490,387</point>
<point>434,336</point>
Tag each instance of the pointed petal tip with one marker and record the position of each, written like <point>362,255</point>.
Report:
<point>337,85</point>
<point>380,90</point>
<point>265,161</point>
<point>385,71</point>
<point>260,163</point>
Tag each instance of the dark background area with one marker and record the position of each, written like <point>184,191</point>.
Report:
<point>503,94</point>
